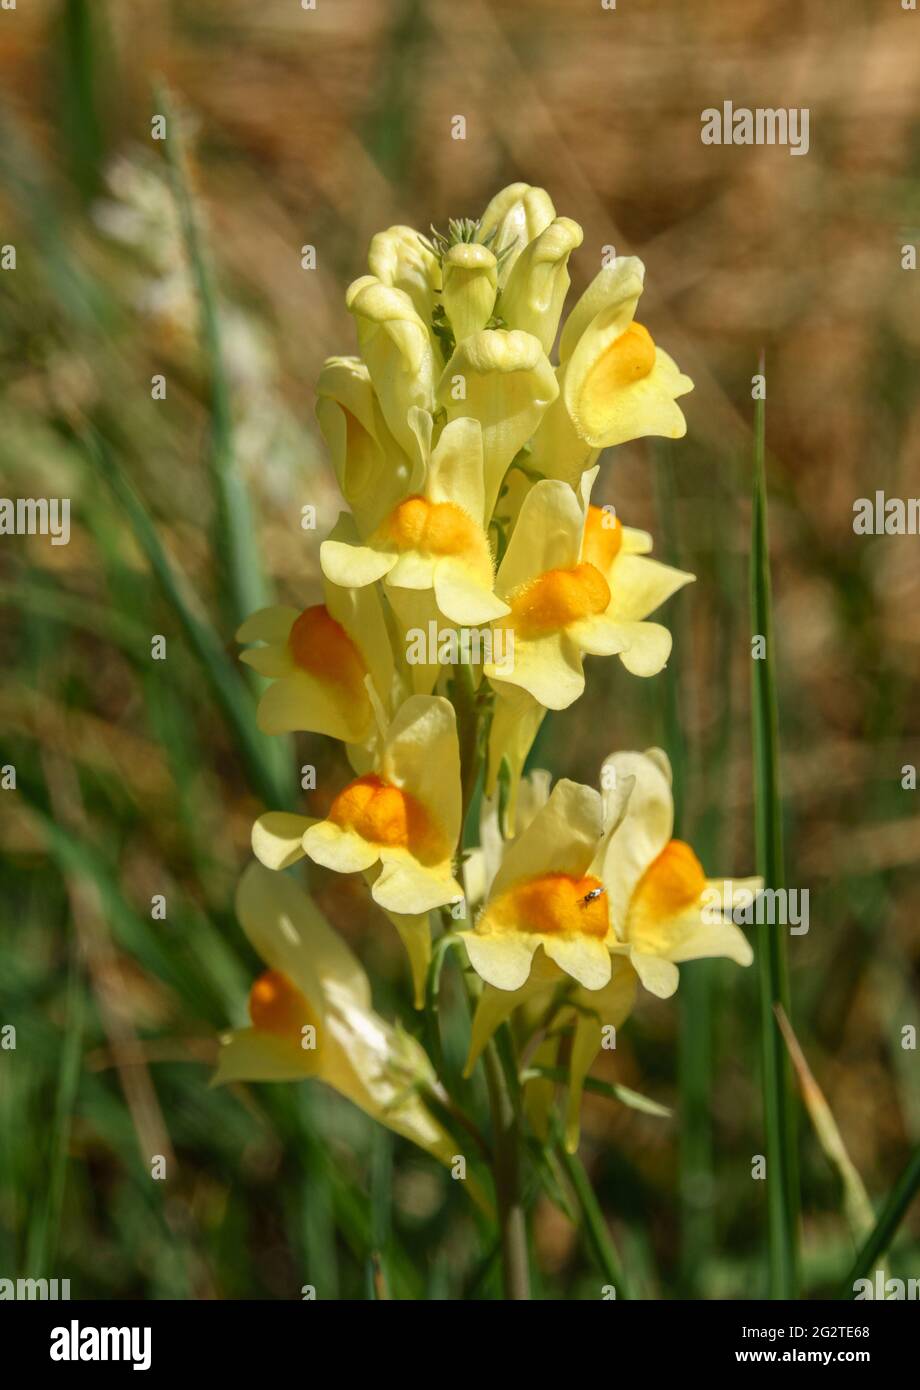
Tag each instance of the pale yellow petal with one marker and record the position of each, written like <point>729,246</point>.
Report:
<point>562,838</point>
<point>268,625</point>
<point>277,838</point>
<point>352,566</point>
<point>639,585</point>
<point>248,1055</point>
<point>339,849</point>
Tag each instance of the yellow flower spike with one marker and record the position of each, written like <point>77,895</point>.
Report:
<point>535,292</point>
<point>397,347</point>
<point>434,538</point>
<point>470,277</point>
<point>400,260</point>
<point>405,815</point>
<point>616,384</point>
<point>371,469</point>
<point>659,895</point>
<point>545,895</point>
<point>311,1017</point>
<point>517,214</point>
<point>319,659</point>
<point>504,380</point>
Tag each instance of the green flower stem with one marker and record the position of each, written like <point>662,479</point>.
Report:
<point>596,1233</point>
<point>506,1137</point>
<point>512,1219</point>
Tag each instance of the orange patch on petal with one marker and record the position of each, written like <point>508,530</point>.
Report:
<point>277,1006</point>
<point>603,538</point>
<point>322,647</point>
<point>556,598</point>
<point>553,905</point>
<point>628,359</point>
<point>672,883</point>
<point>385,815</point>
<point>434,528</point>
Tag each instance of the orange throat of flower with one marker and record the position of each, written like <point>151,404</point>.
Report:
<point>278,1007</point>
<point>557,598</point>
<point>387,816</point>
<point>552,905</point>
<point>320,646</point>
<point>603,538</point>
<point>435,529</point>
<point>670,886</point>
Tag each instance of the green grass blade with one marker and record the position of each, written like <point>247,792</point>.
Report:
<point>235,543</point>
<point>778,1097</point>
<point>227,686</point>
<point>594,1228</point>
<point>881,1236</point>
<point>45,1226</point>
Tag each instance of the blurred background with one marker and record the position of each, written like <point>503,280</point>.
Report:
<point>138,777</point>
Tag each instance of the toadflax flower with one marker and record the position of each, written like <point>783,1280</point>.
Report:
<point>434,538</point>
<point>398,824</point>
<point>319,661</point>
<point>549,1002</point>
<point>659,894</point>
<point>312,1018</point>
<point>615,383</point>
<point>571,591</point>
<point>543,896</point>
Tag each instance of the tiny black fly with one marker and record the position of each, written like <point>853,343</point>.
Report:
<point>589,897</point>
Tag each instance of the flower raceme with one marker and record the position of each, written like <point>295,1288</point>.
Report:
<point>465,438</point>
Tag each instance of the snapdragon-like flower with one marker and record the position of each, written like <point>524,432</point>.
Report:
<point>397,824</point>
<point>312,1018</point>
<point>434,537</point>
<point>659,894</point>
<point>550,1003</point>
<point>405,815</point>
<point>574,589</point>
<point>615,383</point>
<point>545,895</point>
<point>319,662</point>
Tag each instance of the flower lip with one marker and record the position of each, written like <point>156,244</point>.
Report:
<point>387,816</point>
<point>433,528</point>
<point>557,598</point>
<point>553,905</point>
<point>671,884</point>
<point>321,646</point>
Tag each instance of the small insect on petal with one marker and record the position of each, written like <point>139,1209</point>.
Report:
<point>589,897</point>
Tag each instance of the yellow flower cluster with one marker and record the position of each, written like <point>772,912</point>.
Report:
<point>467,457</point>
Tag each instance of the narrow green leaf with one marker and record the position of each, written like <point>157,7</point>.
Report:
<point>235,541</point>
<point>879,1239</point>
<point>227,687</point>
<point>610,1089</point>
<point>779,1103</point>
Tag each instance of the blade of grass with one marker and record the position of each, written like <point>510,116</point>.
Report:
<point>226,685</point>
<point>695,1070</point>
<point>779,1112</point>
<point>610,1089</point>
<point>882,1234</point>
<point>596,1234</point>
<point>44,1228</point>
<point>857,1206</point>
<point>235,540</point>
